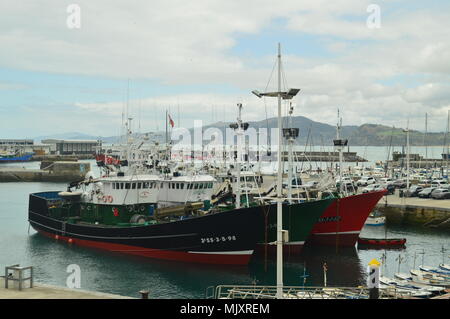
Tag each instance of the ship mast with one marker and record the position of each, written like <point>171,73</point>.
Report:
<point>339,145</point>
<point>286,96</point>
<point>240,128</point>
<point>290,134</point>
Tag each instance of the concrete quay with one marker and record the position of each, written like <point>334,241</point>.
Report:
<point>427,212</point>
<point>54,172</point>
<point>44,291</point>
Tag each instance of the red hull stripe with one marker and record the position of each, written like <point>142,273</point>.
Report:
<point>227,258</point>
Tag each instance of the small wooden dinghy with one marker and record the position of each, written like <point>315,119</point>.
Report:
<point>382,242</point>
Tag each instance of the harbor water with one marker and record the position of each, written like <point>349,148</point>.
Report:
<point>126,275</point>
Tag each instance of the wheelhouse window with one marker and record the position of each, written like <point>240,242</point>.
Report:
<point>127,186</point>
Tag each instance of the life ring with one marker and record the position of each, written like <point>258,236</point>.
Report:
<point>142,208</point>
<point>130,208</point>
<point>110,199</point>
<point>105,199</point>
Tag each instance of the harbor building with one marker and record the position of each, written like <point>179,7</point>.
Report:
<point>15,142</point>
<point>71,147</point>
<point>23,146</point>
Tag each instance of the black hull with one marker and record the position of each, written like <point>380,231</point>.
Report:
<point>222,238</point>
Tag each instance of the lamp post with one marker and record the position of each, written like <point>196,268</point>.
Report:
<point>285,95</point>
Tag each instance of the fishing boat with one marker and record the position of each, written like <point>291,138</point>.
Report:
<point>186,233</point>
<point>146,212</point>
<point>384,242</point>
<point>298,221</point>
<point>342,221</point>
<point>375,219</point>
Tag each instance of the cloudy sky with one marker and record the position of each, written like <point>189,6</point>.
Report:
<point>199,58</point>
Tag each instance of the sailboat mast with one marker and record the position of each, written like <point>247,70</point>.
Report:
<point>425,138</point>
<point>407,156</point>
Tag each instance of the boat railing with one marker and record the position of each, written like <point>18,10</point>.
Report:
<point>39,202</point>
<point>301,292</point>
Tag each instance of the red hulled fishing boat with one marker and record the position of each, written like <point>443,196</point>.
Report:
<point>343,220</point>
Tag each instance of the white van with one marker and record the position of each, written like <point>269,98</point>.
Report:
<point>365,180</point>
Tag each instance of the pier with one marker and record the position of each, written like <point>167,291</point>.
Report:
<point>44,291</point>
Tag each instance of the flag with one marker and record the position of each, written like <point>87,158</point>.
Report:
<point>171,121</point>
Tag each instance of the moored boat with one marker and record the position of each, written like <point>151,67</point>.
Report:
<point>429,278</point>
<point>298,221</point>
<point>12,158</point>
<point>444,267</point>
<point>375,219</point>
<point>215,237</point>
<point>381,241</point>
<point>342,221</point>
<point>435,270</point>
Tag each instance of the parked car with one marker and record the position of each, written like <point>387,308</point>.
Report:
<point>441,193</point>
<point>372,188</point>
<point>440,183</point>
<point>365,180</point>
<point>386,181</point>
<point>425,183</point>
<point>413,191</point>
<point>399,183</point>
<point>345,179</point>
<point>426,192</point>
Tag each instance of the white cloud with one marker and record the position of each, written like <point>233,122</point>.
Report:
<point>189,42</point>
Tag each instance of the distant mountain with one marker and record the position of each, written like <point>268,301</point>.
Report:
<point>316,133</point>
<point>311,132</point>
